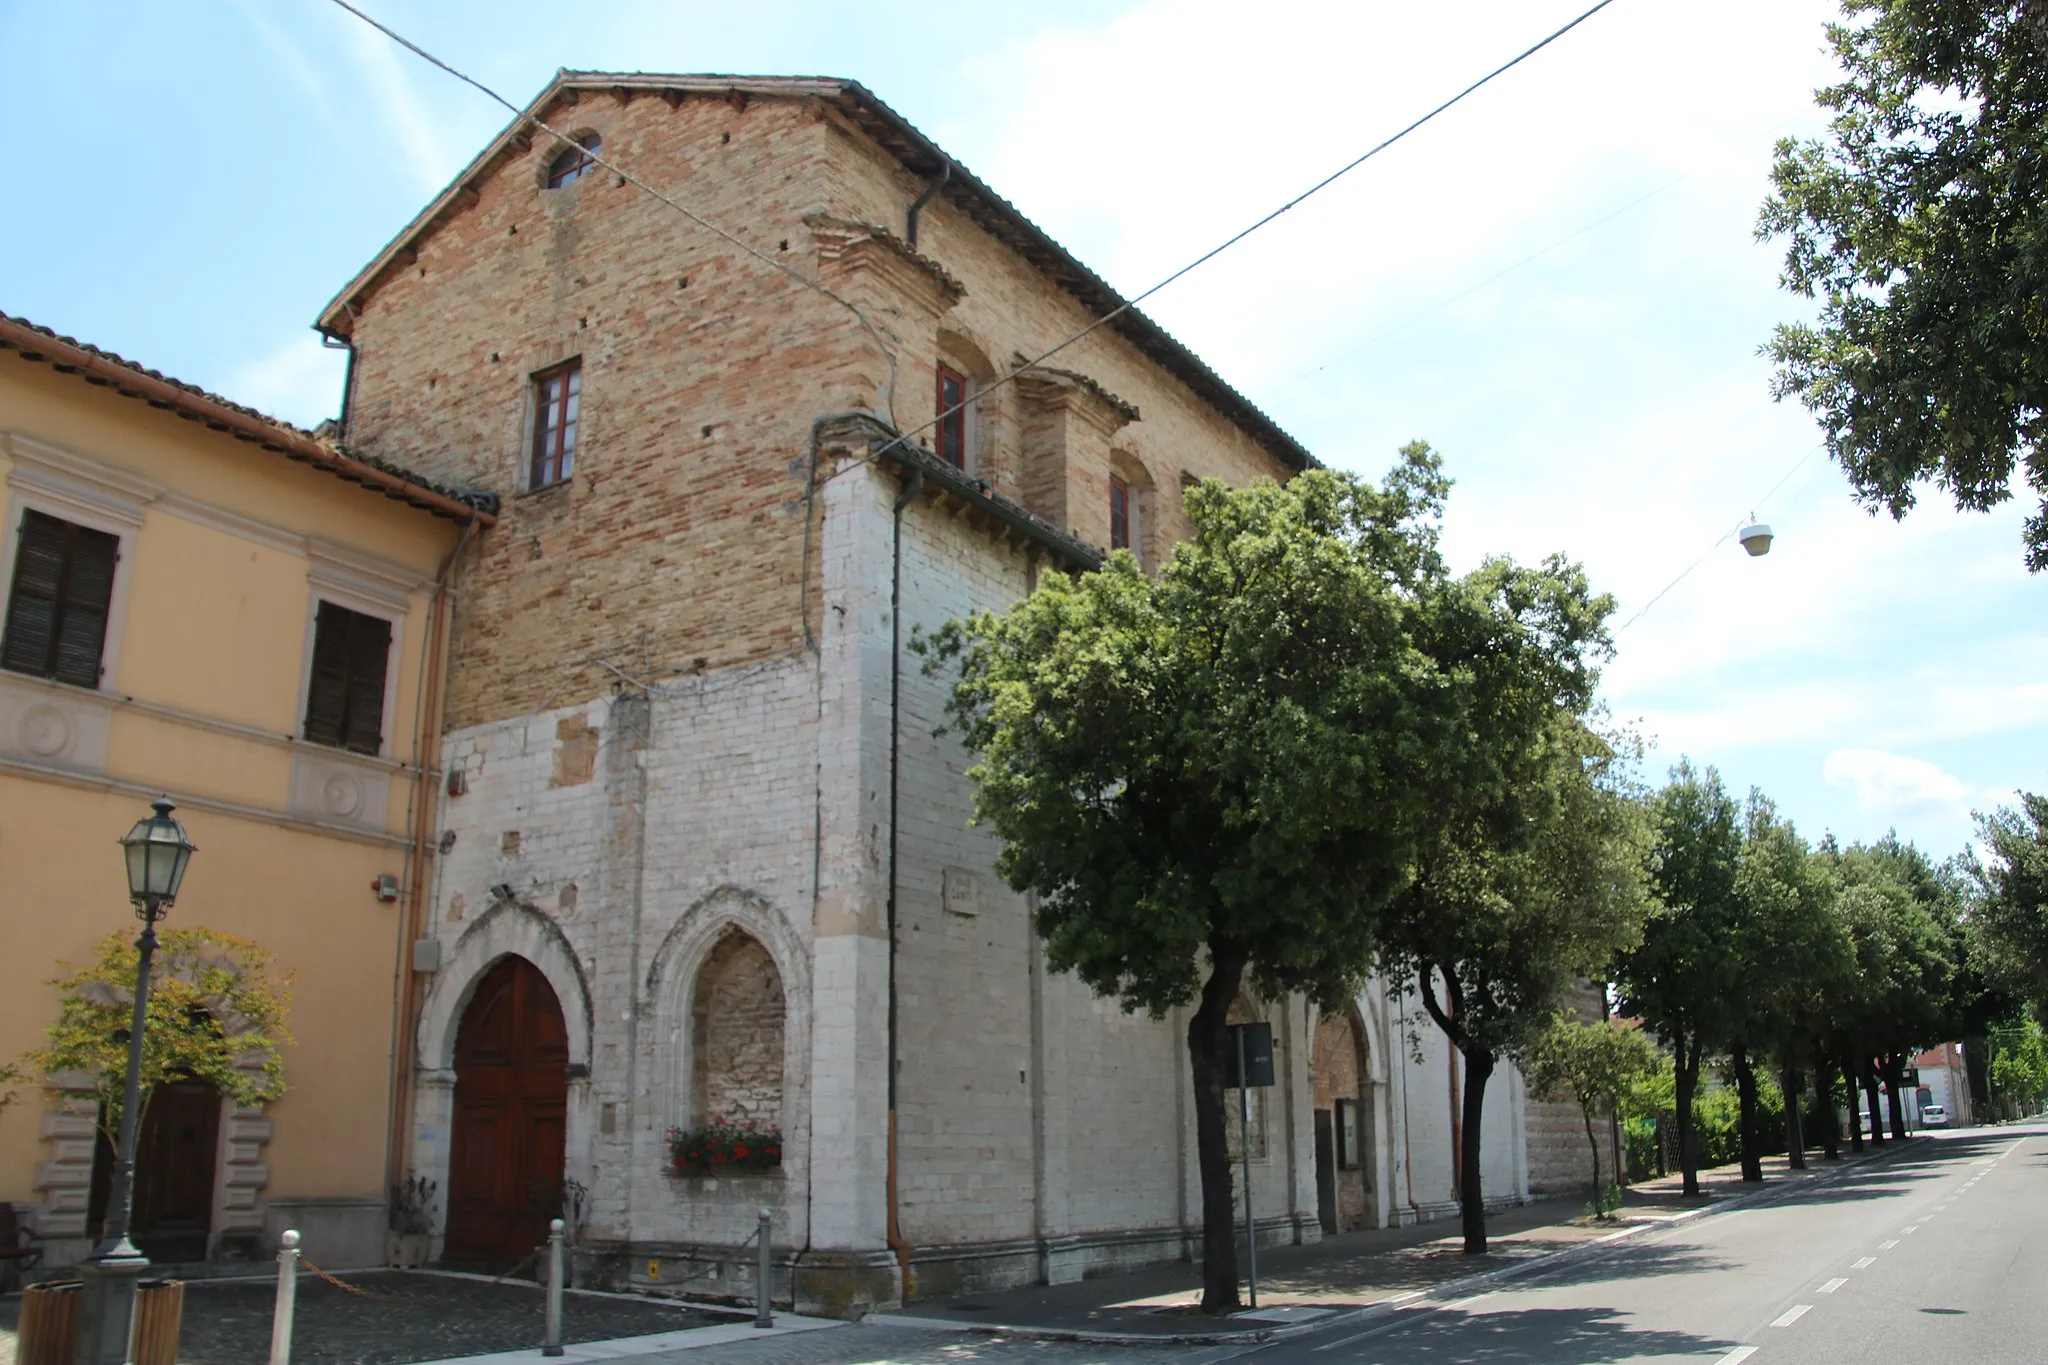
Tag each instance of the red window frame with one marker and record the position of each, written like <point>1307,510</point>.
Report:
<point>574,161</point>
<point>951,435</point>
<point>1119,514</point>
<point>557,404</point>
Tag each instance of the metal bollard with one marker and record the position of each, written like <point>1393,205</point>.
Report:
<point>552,1344</point>
<point>762,1273</point>
<point>287,1298</point>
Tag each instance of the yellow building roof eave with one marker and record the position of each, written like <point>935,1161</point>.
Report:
<point>244,424</point>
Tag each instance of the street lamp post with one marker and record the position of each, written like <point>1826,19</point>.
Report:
<point>157,852</point>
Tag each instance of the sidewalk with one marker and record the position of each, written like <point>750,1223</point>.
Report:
<point>1352,1273</point>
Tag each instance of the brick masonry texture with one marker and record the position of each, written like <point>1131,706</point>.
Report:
<point>670,712</point>
<point>736,1023</point>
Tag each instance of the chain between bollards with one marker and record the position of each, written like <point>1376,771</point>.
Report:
<point>287,1298</point>
<point>762,1273</point>
<point>552,1344</point>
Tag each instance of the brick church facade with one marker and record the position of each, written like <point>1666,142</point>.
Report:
<point>680,698</point>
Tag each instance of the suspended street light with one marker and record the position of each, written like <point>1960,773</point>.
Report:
<point>1755,538</point>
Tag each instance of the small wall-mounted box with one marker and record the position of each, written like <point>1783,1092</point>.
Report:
<point>386,888</point>
<point>426,955</point>
<point>458,781</point>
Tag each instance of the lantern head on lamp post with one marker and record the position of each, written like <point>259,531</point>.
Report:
<point>156,851</point>
<point>1755,537</point>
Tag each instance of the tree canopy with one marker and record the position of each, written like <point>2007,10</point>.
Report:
<point>2008,915</point>
<point>1219,772</point>
<point>1685,978</point>
<point>216,1012</point>
<point>1920,224</point>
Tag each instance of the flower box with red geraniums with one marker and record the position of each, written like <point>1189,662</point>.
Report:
<point>726,1146</point>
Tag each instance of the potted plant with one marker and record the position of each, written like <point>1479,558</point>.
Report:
<point>725,1146</point>
<point>411,1238</point>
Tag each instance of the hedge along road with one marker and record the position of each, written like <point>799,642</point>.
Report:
<point>1925,1256</point>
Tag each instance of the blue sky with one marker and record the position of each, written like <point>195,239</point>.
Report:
<point>1556,284</point>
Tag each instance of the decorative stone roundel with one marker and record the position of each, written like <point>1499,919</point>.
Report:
<point>342,793</point>
<point>43,730</point>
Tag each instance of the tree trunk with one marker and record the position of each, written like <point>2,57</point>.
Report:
<point>1592,1145</point>
<point>1824,1100</point>
<point>1795,1138</point>
<point>1852,1085</point>
<point>1894,1080</point>
<point>1745,1093</point>
<point>1478,1067</point>
<point>1870,1095</point>
<point>1687,1074</point>
<point>1208,1040</point>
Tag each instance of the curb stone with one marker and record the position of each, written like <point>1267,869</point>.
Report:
<point>1458,1288</point>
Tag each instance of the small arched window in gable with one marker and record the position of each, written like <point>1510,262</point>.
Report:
<point>574,161</point>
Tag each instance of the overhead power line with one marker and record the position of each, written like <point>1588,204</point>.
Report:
<point>1107,318</point>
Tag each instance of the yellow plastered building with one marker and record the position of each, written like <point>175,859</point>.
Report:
<point>206,604</point>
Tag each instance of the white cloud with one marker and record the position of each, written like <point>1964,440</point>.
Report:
<point>299,382</point>
<point>1895,785</point>
<point>1587,363</point>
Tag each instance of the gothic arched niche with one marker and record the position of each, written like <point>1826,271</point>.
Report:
<point>737,1021</point>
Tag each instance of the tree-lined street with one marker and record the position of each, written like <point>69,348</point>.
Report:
<point>1929,1254</point>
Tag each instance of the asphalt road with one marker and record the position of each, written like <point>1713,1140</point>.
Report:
<point>1939,1254</point>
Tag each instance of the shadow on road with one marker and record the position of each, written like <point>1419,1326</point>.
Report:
<point>1536,1336</point>
<point>1635,1261</point>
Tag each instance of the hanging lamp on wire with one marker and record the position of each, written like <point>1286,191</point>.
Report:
<point>1755,537</point>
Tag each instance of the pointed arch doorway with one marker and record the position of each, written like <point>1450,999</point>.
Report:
<point>511,1110</point>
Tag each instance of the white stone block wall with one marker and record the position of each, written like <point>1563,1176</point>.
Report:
<point>1042,1132</point>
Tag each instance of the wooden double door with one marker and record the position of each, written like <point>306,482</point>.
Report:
<point>511,1108</point>
<point>176,1154</point>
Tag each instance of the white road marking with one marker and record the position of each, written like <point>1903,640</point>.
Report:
<point>1737,1356</point>
<point>1832,1285</point>
<point>1866,1261</point>
<point>1887,1246</point>
<point>1914,1228</point>
<point>1791,1315</point>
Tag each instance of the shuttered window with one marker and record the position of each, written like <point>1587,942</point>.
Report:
<point>345,698</point>
<point>57,608</point>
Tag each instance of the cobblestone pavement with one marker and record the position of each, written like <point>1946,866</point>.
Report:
<point>411,1317</point>
<point>860,1344</point>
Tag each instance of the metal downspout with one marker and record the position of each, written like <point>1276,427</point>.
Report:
<point>423,803</point>
<point>917,205</point>
<point>911,489</point>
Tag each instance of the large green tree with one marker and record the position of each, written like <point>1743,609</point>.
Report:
<point>1532,875</point>
<point>1920,224</point>
<point>1794,952</point>
<point>1217,774</point>
<point>1684,979</point>
<point>2008,914</point>
<point>1904,995</point>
